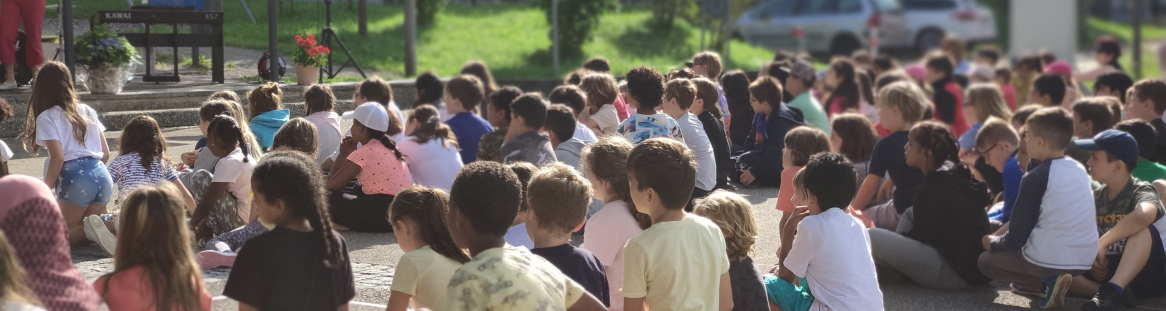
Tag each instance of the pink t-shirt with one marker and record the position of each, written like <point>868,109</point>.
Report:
<point>131,290</point>
<point>786,192</point>
<point>621,108</point>
<point>607,233</point>
<point>1009,96</point>
<point>380,170</point>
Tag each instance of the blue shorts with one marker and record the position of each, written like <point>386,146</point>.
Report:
<point>84,181</point>
<point>788,297</point>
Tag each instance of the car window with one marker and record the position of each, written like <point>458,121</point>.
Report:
<point>777,8</point>
<point>849,6</point>
<point>887,5</point>
<point>929,4</point>
<point>817,7</point>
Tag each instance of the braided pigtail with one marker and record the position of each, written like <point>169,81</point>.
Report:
<point>227,129</point>
<point>292,177</point>
<point>940,142</point>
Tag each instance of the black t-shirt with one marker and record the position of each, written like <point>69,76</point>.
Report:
<point>284,270</point>
<point>888,157</point>
<point>581,266</point>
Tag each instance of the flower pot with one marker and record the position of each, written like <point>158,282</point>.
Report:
<point>105,79</point>
<point>306,75</point>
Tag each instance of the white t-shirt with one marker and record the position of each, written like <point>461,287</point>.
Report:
<point>607,119</point>
<point>52,124</point>
<point>698,141</point>
<point>607,232</point>
<point>424,274</point>
<point>5,153</point>
<point>327,132</point>
<point>232,170</point>
<point>832,251</point>
<point>433,164</point>
<point>676,265</point>
<point>583,133</point>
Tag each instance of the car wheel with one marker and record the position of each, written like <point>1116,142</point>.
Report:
<point>844,45</point>
<point>928,39</point>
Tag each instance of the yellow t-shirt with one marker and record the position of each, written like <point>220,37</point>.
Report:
<point>676,265</point>
<point>424,274</point>
<point>509,278</point>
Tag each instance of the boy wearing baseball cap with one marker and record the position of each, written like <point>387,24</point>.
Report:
<point>376,164</point>
<point>801,79</point>
<point>1130,259</point>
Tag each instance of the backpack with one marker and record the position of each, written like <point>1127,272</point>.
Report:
<point>23,71</point>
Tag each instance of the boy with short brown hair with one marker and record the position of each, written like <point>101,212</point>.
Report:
<point>558,198</point>
<point>462,94</point>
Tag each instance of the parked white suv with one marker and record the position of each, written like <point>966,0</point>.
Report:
<point>929,20</point>
<point>829,26</point>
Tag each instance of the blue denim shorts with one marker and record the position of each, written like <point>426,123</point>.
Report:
<point>84,181</point>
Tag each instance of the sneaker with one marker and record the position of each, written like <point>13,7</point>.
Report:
<point>1128,299</point>
<point>96,231</point>
<point>1107,298</point>
<point>214,259</point>
<point>1024,290</point>
<point>8,86</point>
<point>1055,289</point>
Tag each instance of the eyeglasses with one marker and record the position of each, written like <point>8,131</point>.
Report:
<point>985,151</point>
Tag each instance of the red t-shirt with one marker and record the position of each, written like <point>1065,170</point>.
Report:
<point>131,290</point>
<point>959,125</point>
<point>1009,95</point>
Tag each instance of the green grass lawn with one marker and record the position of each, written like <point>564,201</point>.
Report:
<point>512,40</point>
<point>1125,33</point>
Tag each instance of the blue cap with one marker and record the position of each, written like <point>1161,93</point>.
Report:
<point>1119,144</point>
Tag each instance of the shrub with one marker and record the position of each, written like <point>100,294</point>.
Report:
<point>577,20</point>
<point>427,11</point>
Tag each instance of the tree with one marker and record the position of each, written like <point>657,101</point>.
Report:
<point>577,20</point>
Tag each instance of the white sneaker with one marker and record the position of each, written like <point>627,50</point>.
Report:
<point>96,231</point>
<point>8,86</point>
<point>214,259</point>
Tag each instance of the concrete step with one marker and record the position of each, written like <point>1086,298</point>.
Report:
<point>173,117</point>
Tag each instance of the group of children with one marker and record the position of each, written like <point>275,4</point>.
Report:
<point>937,173</point>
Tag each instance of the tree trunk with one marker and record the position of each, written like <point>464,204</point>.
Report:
<point>410,38</point>
<point>362,16</point>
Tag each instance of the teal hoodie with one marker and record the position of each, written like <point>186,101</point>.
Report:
<point>266,124</point>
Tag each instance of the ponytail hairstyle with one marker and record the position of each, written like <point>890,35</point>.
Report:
<point>153,236</point>
<point>319,97</point>
<point>940,143</point>
<point>264,98</point>
<point>143,135</point>
<point>297,134</point>
<point>13,281</point>
<point>607,159</point>
<point>53,88</point>
<point>847,85</point>
<point>225,129</point>
<point>293,178</point>
<point>427,208</point>
<point>429,126</point>
<point>383,138</point>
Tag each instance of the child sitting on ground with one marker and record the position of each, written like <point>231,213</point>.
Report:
<point>143,160</point>
<point>704,106</point>
<point>462,95</point>
<point>153,265</point>
<point>1092,115</point>
<point>617,221</point>
<point>601,91</point>
<point>758,165</point>
<point>1130,260</point>
<point>484,201</point>
<point>984,101</point>
<point>524,140</point>
<point>557,200</point>
<point>377,164</point>
<point>680,262</point>
<point>499,115</point>
<point>1144,134</point>
<point>431,148</point>
<point>318,103</point>
<point>267,113</point>
<point>418,214</point>
<point>800,143</point>
<point>900,107</point>
<point>560,128</point>
<point>224,197</point>
<point>1048,90</point>
<point>296,135</point>
<point>678,97</point>
<point>948,97</point>
<point>516,235</point>
<point>1147,102</point>
<point>853,136</point>
<point>301,249</point>
<point>999,145</point>
<point>646,94</point>
<point>733,214</point>
<point>828,265</point>
<point>574,98</point>
<point>1050,236</point>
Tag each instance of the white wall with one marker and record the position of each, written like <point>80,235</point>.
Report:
<point>1044,24</point>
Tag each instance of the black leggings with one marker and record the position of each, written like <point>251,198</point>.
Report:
<point>361,212</point>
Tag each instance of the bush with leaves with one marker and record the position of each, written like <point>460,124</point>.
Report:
<point>577,20</point>
<point>427,11</point>
<point>101,46</point>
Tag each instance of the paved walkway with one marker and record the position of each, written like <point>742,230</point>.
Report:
<point>375,255</point>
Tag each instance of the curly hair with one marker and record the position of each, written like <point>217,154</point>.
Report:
<point>646,86</point>
<point>5,110</point>
<point>143,135</point>
<point>734,215</point>
<point>488,194</point>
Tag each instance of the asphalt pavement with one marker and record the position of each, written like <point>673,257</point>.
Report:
<point>375,255</point>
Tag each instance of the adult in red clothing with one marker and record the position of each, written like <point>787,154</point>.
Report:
<point>32,12</point>
<point>948,96</point>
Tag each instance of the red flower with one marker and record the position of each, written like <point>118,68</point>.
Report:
<point>326,50</point>
<point>299,38</point>
<point>311,37</point>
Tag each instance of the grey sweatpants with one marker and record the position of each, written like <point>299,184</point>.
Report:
<point>224,215</point>
<point>1012,267</point>
<point>898,257</point>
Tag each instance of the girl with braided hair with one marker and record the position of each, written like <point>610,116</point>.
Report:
<point>224,197</point>
<point>937,243</point>
<point>302,263</point>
